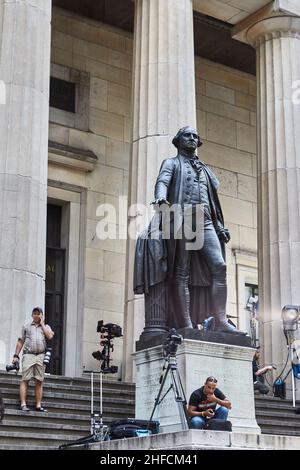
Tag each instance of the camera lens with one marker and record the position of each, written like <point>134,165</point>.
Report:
<point>47,356</point>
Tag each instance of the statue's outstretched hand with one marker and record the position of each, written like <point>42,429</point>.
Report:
<point>224,235</point>
<point>160,201</point>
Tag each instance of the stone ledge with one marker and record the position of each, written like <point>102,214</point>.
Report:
<point>67,156</point>
<point>198,439</point>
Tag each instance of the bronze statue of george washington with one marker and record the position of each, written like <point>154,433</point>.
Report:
<point>194,274</point>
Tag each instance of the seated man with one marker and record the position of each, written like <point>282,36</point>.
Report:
<point>258,373</point>
<point>207,402</point>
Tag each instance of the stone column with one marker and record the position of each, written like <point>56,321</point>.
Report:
<point>276,37</point>
<point>163,101</point>
<point>25,31</point>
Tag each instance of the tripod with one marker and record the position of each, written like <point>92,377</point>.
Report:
<point>99,431</point>
<point>177,388</point>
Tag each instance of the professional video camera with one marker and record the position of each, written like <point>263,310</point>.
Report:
<point>15,366</point>
<point>109,331</point>
<point>171,343</point>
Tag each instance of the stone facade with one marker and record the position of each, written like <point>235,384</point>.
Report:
<point>226,109</point>
<point>93,159</point>
<point>103,57</point>
<point>226,121</point>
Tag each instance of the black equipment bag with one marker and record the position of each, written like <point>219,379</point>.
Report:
<point>279,389</point>
<point>132,428</point>
<point>218,425</point>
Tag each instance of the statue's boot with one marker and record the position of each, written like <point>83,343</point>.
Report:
<point>223,326</point>
<point>182,302</point>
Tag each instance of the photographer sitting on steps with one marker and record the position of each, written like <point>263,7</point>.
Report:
<point>258,373</point>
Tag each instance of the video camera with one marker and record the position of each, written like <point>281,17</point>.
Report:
<point>108,332</point>
<point>112,330</point>
<point>171,343</point>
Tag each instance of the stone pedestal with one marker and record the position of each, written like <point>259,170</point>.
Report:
<point>25,31</point>
<point>197,359</point>
<point>275,34</point>
<point>163,101</point>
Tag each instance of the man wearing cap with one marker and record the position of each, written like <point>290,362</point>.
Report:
<point>33,341</point>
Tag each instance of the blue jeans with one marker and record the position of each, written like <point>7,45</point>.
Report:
<point>197,422</point>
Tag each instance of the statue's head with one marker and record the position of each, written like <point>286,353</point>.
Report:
<point>183,137</point>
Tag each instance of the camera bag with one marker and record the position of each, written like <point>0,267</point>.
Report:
<point>218,425</point>
<point>130,427</point>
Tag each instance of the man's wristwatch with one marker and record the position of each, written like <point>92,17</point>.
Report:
<point>16,355</point>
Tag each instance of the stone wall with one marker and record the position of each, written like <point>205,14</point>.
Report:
<point>226,120</point>
<point>106,55</point>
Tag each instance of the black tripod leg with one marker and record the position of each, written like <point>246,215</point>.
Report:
<point>185,401</point>
<point>79,442</point>
<point>180,399</point>
<point>157,399</point>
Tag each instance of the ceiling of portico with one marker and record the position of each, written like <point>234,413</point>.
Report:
<point>230,11</point>
<point>213,20</point>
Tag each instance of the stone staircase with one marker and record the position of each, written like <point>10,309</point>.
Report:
<point>68,418</point>
<point>276,416</point>
<point>68,403</point>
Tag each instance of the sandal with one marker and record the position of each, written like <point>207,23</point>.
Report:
<point>41,409</point>
<point>24,408</point>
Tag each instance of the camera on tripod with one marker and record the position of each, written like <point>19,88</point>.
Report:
<point>109,331</point>
<point>171,343</point>
<point>15,366</point>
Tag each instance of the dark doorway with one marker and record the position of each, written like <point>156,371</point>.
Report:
<point>55,286</point>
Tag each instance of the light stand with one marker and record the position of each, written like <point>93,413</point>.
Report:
<point>290,341</point>
<point>290,316</point>
<point>177,388</point>
<point>99,431</point>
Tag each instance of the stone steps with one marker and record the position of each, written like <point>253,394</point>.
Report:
<point>31,437</point>
<point>276,416</point>
<point>67,401</point>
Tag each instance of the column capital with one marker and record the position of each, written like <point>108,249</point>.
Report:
<point>281,18</point>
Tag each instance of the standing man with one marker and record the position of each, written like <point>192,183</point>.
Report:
<point>203,404</point>
<point>186,181</point>
<point>33,341</point>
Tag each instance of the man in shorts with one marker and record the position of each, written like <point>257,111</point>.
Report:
<point>33,341</point>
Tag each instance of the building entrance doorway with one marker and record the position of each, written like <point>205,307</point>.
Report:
<point>55,287</point>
